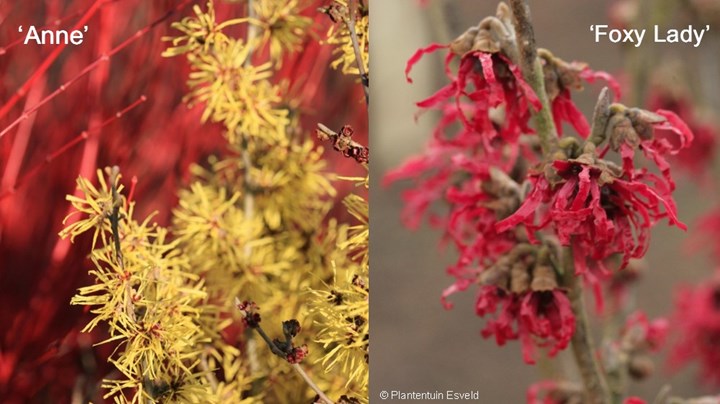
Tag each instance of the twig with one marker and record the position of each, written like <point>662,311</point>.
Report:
<point>248,198</point>
<point>350,22</point>
<point>342,142</point>
<point>22,138</point>
<point>115,215</point>
<point>533,72</point>
<point>209,375</point>
<point>310,383</point>
<point>279,352</point>
<point>84,135</point>
<point>596,387</point>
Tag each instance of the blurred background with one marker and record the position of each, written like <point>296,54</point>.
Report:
<point>419,346</point>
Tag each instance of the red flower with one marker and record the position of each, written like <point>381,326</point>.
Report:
<point>545,315</point>
<point>645,334</point>
<point>488,80</point>
<point>699,155</point>
<point>536,318</point>
<point>560,78</point>
<point>633,128</point>
<point>697,317</point>
<point>595,212</point>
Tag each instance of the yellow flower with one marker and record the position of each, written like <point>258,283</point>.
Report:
<point>342,312</point>
<point>293,188</point>
<point>283,28</point>
<point>97,204</point>
<point>147,297</point>
<point>198,33</point>
<point>237,93</point>
<point>339,35</point>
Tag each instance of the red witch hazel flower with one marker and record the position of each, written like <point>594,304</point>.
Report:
<point>596,207</point>
<point>521,295</point>
<point>697,317</point>
<point>560,78</point>
<point>487,79</point>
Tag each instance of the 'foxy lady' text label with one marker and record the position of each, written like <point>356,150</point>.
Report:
<point>689,35</point>
<point>53,37</point>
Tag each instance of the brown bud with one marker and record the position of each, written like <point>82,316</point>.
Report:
<point>640,366</point>
<point>497,274</point>
<point>569,74</point>
<point>493,36</point>
<point>347,400</point>
<point>519,277</point>
<point>552,80</point>
<point>643,122</point>
<point>544,278</point>
<point>620,130</point>
<point>504,13</point>
<point>464,43</point>
<point>484,41</point>
<point>291,328</point>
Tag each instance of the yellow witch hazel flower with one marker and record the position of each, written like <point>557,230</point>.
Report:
<point>283,28</point>
<point>349,23</point>
<point>293,186</point>
<point>198,33</point>
<point>237,93</point>
<point>342,309</point>
<point>342,313</point>
<point>146,296</point>
<point>98,205</point>
<point>253,224</point>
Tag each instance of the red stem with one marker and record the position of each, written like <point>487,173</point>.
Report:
<point>103,58</point>
<point>48,61</point>
<point>67,146</point>
<point>20,143</point>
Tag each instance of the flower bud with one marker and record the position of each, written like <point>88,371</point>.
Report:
<point>544,278</point>
<point>640,366</point>
<point>519,277</point>
<point>464,43</point>
<point>297,354</point>
<point>291,328</point>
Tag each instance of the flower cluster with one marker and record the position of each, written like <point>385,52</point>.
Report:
<point>528,208</point>
<point>146,295</point>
